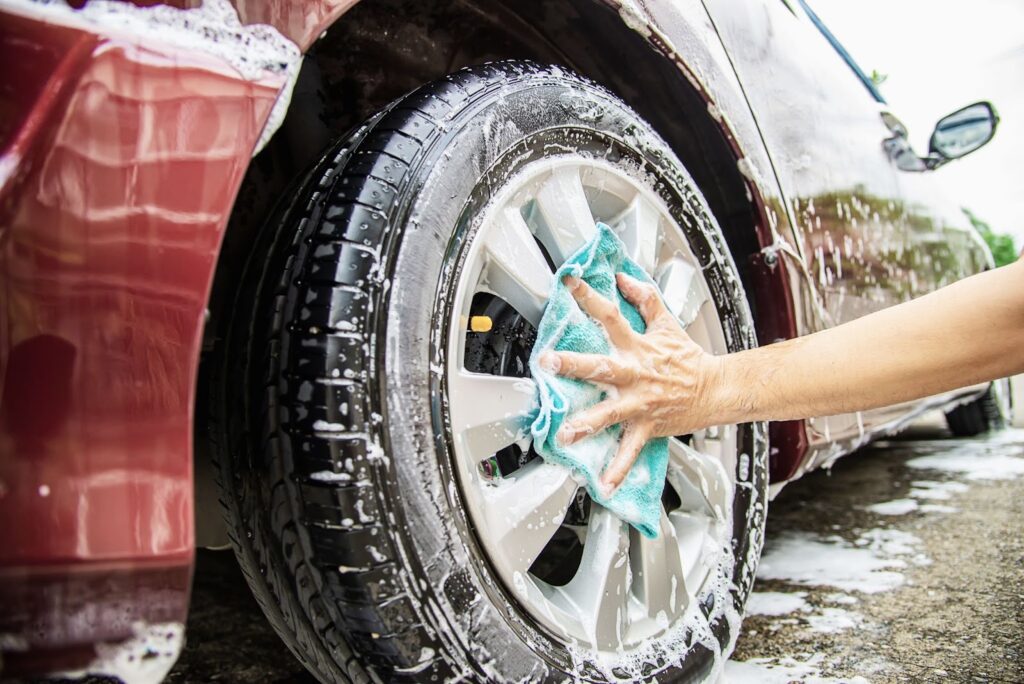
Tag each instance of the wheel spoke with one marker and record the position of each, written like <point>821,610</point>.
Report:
<point>719,442</point>
<point>524,510</point>
<point>683,289</point>
<point>638,228</point>
<point>567,217</point>
<point>710,442</point>
<point>599,591</point>
<point>626,587</point>
<point>692,531</point>
<point>489,412</point>
<point>517,271</point>
<point>691,471</point>
<point>698,332</point>
<point>658,578</point>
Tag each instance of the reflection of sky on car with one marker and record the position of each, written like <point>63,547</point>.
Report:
<point>940,56</point>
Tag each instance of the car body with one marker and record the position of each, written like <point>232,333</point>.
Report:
<point>139,144</point>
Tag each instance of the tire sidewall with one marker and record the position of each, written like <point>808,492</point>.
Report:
<point>1002,399</point>
<point>461,599</point>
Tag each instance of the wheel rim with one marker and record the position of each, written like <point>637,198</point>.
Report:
<point>620,588</point>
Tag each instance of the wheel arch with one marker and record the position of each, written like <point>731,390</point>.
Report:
<point>368,53</point>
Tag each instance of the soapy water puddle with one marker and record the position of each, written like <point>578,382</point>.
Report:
<point>783,671</point>
<point>799,628</point>
<point>810,584</point>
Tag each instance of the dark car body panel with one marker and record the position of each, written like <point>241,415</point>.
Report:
<point>120,160</point>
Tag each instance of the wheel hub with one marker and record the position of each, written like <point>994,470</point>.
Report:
<point>577,570</point>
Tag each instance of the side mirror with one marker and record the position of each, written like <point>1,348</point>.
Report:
<point>962,132</point>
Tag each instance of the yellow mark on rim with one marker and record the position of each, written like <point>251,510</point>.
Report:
<point>480,324</point>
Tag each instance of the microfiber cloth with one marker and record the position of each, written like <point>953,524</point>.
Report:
<point>565,327</point>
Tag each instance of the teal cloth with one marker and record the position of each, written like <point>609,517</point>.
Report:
<point>564,327</point>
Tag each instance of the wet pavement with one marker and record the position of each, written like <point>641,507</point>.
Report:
<point>227,637</point>
<point>905,563</point>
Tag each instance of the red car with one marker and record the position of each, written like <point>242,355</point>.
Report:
<point>289,255</point>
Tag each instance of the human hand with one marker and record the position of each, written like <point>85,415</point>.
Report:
<point>661,377</point>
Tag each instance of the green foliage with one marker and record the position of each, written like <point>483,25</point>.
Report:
<point>878,78</point>
<point>1001,244</point>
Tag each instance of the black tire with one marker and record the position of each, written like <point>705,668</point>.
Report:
<point>331,441</point>
<point>990,411</point>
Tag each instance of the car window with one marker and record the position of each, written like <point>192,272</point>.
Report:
<point>868,83</point>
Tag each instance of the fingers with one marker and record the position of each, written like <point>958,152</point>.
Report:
<point>644,297</point>
<point>601,309</point>
<point>633,440</point>
<point>593,420</point>
<point>592,367</point>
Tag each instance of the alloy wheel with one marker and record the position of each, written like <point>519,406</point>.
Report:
<point>575,568</point>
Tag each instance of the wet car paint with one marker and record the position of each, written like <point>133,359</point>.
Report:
<point>869,233</point>
<point>684,32</point>
<point>119,186</point>
<point>301,21</point>
<point>118,175</point>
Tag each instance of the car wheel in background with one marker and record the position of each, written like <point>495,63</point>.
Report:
<point>991,411</point>
<point>371,412</point>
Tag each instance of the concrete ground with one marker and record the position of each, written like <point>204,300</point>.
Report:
<point>228,639</point>
<point>917,551</point>
<point>905,563</point>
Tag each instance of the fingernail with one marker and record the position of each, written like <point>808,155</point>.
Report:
<point>550,362</point>
<point>565,434</point>
<point>570,281</point>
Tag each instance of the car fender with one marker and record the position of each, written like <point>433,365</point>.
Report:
<point>127,135</point>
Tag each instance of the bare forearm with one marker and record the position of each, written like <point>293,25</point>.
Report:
<point>666,384</point>
<point>969,332</point>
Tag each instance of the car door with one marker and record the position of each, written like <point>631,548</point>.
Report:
<point>943,248</point>
<point>875,227</point>
<point>835,148</point>
<point>871,229</point>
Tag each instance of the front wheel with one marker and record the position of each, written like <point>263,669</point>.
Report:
<point>391,514</point>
